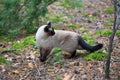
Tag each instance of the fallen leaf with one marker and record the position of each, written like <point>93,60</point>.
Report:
<point>18,72</point>
<point>73,78</point>
<point>100,70</point>
<point>89,66</point>
<point>66,53</point>
<point>84,77</point>
<point>67,76</point>
<point>3,67</point>
<point>31,65</point>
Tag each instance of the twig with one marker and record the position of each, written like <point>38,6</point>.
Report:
<point>23,78</point>
<point>36,67</point>
<point>51,1</point>
<point>73,77</point>
<point>7,50</point>
<point>49,58</point>
<point>115,60</point>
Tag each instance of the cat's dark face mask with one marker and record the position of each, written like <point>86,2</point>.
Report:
<point>49,30</point>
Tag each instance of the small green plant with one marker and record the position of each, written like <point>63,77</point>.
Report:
<point>84,13</point>
<point>56,19</point>
<point>104,32</point>
<point>70,4</point>
<point>109,22</point>
<point>57,78</point>
<point>84,30</point>
<point>118,32</point>
<point>6,38</point>
<point>72,26</point>
<point>95,56</point>
<point>92,18</point>
<point>109,10</point>
<point>31,30</point>
<point>58,55</point>
<point>88,38</point>
<point>4,61</point>
<point>30,40</point>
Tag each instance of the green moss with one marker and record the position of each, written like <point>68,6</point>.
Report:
<point>65,5</point>
<point>31,30</point>
<point>118,32</point>
<point>72,26</point>
<point>88,39</point>
<point>58,78</point>
<point>56,19</point>
<point>84,30</point>
<point>92,18</point>
<point>104,32</point>
<point>30,40</point>
<point>109,10</point>
<point>58,55</point>
<point>84,13</point>
<point>109,22</point>
<point>6,38</point>
<point>4,61</point>
<point>95,56</point>
<point>107,32</point>
<point>18,45</point>
<point>71,4</point>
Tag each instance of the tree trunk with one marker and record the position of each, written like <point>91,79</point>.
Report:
<point>111,39</point>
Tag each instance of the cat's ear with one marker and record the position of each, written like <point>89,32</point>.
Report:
<point>49,24</point>
<point>46,29</point>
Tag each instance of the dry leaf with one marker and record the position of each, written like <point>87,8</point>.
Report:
<point>18,57</point>
<point>32,55</point>
<point>73,78</point>
<point>18,72</point>
<point>3,67</point>
<point>67,76</point>
<point>100,70</point>
<point>31,65</point>
<point>80,52</point>
<point>89,66</point>
<point>66,53</point>
<point>77,23</point>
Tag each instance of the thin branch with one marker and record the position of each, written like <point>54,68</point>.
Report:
<point>111,39</point>
<point>36,67</point>
<point>7,50</point>
<point>115,60</point>
<point>24,77</point>
<point>51,1</point>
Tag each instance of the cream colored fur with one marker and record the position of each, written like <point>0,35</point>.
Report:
<point>66,40</point>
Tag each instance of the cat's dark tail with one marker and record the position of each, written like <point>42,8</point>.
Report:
<point>87,47</point>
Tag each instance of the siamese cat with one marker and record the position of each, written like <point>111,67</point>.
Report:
<point>47,38</point>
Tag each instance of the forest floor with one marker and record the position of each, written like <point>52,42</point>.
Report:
<point>26,64</point>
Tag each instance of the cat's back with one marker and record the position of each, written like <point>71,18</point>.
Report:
<point>62,33</point>
<point>66,40</point>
